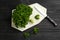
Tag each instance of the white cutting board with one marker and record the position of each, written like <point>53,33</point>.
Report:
<point>34,13</point>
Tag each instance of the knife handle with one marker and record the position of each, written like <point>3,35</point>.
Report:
<point>52,21</point>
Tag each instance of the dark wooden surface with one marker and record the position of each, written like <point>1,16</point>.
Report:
<point>46,30</point>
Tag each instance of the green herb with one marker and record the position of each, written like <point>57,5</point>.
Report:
<point>26,34</point>
<point>35,30</point>
<point>21,15</point>
<point>37,17</point>
<point>31,21</point>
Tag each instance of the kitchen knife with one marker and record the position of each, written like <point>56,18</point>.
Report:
<point>50,19</point>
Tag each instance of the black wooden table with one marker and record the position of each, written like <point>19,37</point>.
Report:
<point>46,30</point>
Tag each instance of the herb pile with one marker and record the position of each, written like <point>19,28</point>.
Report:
<point>21,15</point>
<point>35,30</point>
<point>28,34</point>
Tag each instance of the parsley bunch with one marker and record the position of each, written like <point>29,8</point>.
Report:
<point>21,15</point>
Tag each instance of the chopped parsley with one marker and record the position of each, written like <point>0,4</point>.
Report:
<point>21,15</point>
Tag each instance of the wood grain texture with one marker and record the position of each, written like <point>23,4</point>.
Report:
<point>46,30</point>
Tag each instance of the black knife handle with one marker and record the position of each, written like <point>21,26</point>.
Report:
<point>52,21</point>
